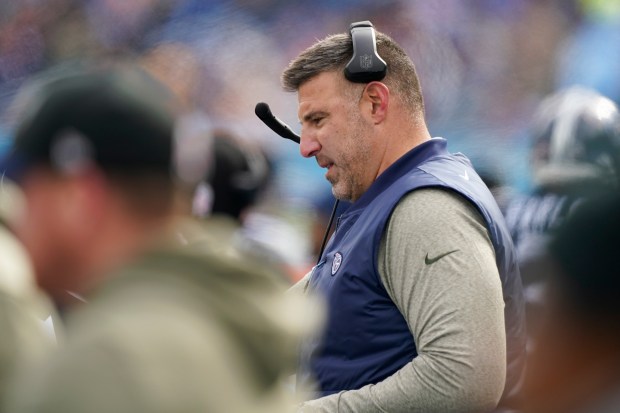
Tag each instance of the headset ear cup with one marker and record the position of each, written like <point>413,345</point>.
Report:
<point>365,65</point>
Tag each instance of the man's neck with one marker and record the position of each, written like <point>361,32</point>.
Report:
<point>400,138</point>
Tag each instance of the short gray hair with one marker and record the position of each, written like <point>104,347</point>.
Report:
<point>335,51</point>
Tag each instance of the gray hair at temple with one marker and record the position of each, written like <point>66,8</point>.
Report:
<point>334,52</point>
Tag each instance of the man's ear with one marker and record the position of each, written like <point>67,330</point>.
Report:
<point>375,101</point>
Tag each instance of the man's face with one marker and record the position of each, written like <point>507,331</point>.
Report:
<point>47,232</point>
<point>336,134</point>
<point>65,221</point>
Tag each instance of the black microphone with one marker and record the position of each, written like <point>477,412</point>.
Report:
<point>264,113</point>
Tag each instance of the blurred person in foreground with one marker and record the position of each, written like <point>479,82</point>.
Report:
<point>169,326</point>
<point>423,293</point>
<point>574,362</point>
<point>23,306</point>
<point>575,154</point>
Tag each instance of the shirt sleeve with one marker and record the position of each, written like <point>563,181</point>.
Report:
<point>437,263</point>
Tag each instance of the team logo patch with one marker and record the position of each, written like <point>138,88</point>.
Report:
<point>336,263</point>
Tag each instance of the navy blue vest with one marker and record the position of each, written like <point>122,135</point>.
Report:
<point>366,337</point>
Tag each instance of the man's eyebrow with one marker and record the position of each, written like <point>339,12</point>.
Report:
<point>313,114</point>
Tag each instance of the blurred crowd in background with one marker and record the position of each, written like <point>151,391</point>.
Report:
<point>484,65</point>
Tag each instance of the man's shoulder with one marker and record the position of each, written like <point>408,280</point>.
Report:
<point>434,201</point>
<point>222,243</point>
<point>203,289</point>
<point>430,216</point>
<point>16,272</point>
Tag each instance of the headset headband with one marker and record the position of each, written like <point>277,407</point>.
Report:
<point>366,65</point>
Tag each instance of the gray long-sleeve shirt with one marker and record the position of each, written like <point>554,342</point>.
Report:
<point>453,306</point>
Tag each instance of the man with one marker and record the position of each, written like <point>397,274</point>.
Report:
<point>575,137</point>
<point>91,156</point>
<point>423,293</point>
<point>170,325</point>
<point>574,362</point>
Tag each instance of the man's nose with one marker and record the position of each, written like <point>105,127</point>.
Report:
<point>308,145</point>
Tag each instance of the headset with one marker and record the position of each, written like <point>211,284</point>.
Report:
<point>365,66</point>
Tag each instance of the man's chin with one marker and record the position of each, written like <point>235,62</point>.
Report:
<point>341,194</point>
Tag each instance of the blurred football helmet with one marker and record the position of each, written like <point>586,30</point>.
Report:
<point>576,139</point>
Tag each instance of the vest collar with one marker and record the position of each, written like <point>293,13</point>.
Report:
<point>410,160</point>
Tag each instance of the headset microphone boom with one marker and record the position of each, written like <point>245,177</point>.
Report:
<point>264,113</point>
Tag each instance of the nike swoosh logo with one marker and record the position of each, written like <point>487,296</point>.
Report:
<point>465,176</point>
<point>429,261</point>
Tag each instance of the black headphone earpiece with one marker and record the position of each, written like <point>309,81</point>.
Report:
<point>366,65</point>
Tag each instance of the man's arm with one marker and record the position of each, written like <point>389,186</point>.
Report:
<point>453,306</point>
